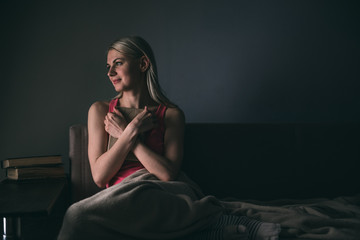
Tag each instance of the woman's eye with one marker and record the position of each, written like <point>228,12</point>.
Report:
<point>118,63</point>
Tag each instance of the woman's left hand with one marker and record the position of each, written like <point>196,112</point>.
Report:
<point>115,123</point>
<point>144,121</point>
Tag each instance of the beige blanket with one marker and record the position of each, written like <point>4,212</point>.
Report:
<point>142,207</point>
<point>337,219</point>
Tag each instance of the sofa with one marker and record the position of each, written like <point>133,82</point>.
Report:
<point>253,161</point>
<point>266,162</point>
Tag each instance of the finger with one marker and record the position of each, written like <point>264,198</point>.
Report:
<point>106,121</point>
<point>146,111</point>
<point>112,121</point>
<point>142,114</point>
<point>117,111</point>
<point>112,117</point>
<point>149,115</point>
<point>109,119</point>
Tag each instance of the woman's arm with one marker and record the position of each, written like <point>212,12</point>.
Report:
<point>105,164</point>
<point>165,167</point>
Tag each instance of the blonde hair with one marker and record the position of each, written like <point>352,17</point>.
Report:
<point>136,47</point>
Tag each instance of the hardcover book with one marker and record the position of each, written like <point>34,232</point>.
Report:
<point>35,172</point>
<point>32,161</point>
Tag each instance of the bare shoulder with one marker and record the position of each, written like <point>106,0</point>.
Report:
<point>174,116</point>
<point>98,109</point>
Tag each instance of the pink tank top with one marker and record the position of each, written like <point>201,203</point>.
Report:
<point>154,139</point>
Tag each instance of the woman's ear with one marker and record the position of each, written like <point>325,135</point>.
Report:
<point>144,63</point>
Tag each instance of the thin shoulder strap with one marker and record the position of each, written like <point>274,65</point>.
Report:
<point>160,112</point>
<point>113,104</point>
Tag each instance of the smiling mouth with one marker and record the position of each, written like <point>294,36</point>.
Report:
<point>116,81</point>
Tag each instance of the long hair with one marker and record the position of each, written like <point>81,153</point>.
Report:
<point>136,47</point>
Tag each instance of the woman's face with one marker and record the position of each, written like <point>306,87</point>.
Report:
<point>123,71</point>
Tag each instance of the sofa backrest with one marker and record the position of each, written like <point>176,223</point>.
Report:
<point>82,183</point>
<point>253,161</point>
<point>270,161</point>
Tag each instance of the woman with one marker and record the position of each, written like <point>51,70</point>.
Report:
<point>138,159</point>
<point>131,74</point>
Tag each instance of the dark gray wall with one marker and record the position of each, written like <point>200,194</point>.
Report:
<point>220,61</point>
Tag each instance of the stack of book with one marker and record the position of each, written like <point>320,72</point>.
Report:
<point>34,167</point>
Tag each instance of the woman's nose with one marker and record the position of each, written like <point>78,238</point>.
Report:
<point>111,72</point>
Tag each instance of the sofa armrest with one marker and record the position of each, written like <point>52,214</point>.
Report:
<point>82,183</point>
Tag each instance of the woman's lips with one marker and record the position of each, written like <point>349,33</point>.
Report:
<point>115,81</point>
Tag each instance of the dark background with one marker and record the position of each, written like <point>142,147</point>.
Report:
<point>220,61</point>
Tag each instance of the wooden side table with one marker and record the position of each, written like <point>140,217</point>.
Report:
<point>27,198</point>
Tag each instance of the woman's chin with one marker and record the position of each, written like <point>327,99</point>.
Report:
<point>118,89</point>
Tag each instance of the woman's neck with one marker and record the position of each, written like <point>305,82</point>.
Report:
<point>136,100</point>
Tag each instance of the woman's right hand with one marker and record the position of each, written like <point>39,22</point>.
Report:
<point>144,121</point>
<point>115,123</point>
